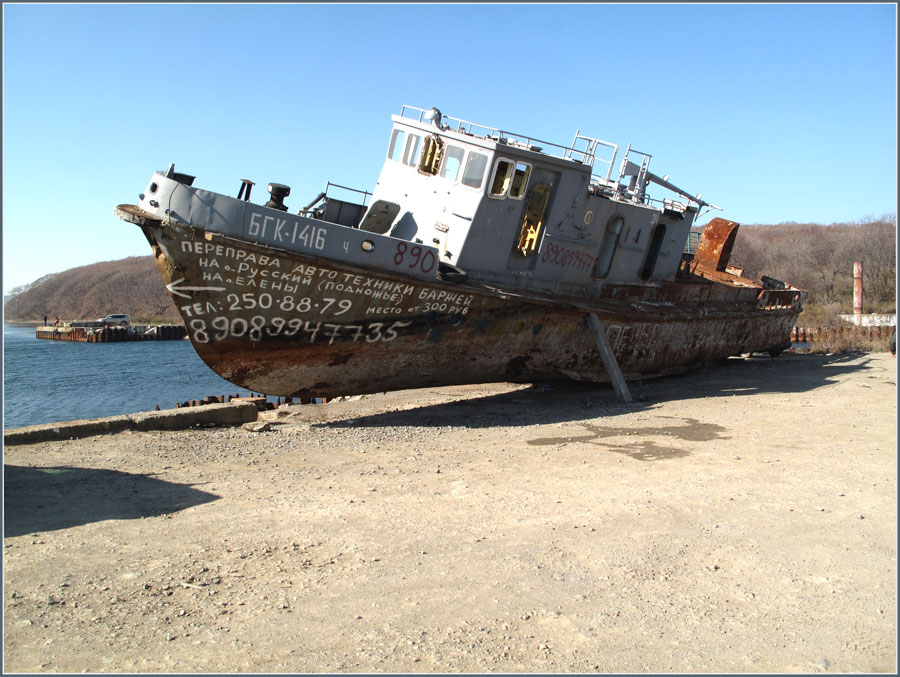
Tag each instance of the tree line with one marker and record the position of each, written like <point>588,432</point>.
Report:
<point>819,258</point>
<point>131,285</point>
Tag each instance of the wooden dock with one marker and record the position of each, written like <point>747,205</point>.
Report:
<point>86,333</point>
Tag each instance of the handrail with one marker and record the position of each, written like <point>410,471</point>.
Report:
<point>636,189</point>
<point>588,155</point>
<point>329,184</point>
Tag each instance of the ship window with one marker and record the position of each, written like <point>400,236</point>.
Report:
<point>656,240</point>
<point>431,155</point>
<point>520,180</point>
<point>453,156</point>
<point>610,240</point>
<point>534,219</point>
<point>412,150</point>
<point>396,149</point>
<point>473,174</point>
<point>503,172</point>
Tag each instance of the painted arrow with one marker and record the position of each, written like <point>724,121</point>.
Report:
<point>177,290</point>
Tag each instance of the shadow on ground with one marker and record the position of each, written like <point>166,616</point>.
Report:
<point>561,401</point>
<point>47,499</point>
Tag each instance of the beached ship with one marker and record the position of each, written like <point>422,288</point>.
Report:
<point>480,255</point>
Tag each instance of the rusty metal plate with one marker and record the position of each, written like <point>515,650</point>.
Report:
<point>716,243</point>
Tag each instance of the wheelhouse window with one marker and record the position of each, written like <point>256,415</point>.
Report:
<point>608,248</point>
<point>502,178</point>
<point>431,155</point>
<point>453,157</point>
<point>473,174</point>
<point>395,152</point>
<point>520,180</point>
<point>535,210</point>
<point>412,150</point>
<point>404,147</point>
<point>510,179</point>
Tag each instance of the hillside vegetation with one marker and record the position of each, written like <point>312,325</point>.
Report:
<point>815,257</point>
<point>131,285</point>
<point>820,259</point>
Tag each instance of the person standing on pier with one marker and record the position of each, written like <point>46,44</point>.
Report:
<point>45,320</point>
<point>56,324</point>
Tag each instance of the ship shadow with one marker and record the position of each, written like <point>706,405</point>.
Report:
<point>49,499</point>
<point>791,373</point>
<point>566,400</point>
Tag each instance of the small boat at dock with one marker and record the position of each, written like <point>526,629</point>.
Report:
<point>480,255</point>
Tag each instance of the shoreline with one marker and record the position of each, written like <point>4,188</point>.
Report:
<point>798,349</point>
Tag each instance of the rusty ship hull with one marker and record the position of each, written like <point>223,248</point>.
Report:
<point>285,324</point>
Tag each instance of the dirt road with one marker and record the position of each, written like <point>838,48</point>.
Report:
<point>741,519</point>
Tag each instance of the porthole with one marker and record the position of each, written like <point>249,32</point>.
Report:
<point>153,187</point>
<point>588,217</point>
<point>368,246</point>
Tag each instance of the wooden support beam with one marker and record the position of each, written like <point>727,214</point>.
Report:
<point>609,358</point>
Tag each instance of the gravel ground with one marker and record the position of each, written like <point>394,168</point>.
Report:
<point>739,519</point>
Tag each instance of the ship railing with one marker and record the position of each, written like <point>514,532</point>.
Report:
<point>635,173</point>
<point>631,184</point>
<point>773,299</point>
<point>585,156</point>
<point>329,185</point>
<point>666,204</point>
<point>634,178</point>
<point>344,212</point>
<point>633,181</point>
<point>590,150</point>
<point>670,205</point>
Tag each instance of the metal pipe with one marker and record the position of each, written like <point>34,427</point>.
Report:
<point>318,197</point>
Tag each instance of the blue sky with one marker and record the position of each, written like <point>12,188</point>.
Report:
<point>776,112</point>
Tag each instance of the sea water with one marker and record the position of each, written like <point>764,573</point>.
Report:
<point>50,381</point>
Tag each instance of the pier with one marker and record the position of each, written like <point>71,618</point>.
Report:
<point>93,332</point>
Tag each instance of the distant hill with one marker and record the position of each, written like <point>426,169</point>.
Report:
<point>131,285</point>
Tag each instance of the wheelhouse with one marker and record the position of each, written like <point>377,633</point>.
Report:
<point>514,209</point>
